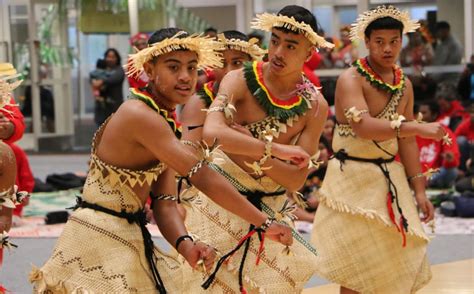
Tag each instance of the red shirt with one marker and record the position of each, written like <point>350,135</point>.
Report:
<point>24,177</point>
<point>310,66</point>
<point>456,110</point>
<point>14,114</point>
<point>466,129</point>
<point>431,152</point>
<point>139,81</point>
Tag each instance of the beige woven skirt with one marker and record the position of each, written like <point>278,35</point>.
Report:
<point>277,272</point>
<point>100,253</point>
<point>359,247</point>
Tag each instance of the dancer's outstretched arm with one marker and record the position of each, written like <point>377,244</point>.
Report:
<point>217,127</point>
<point>349,94</point>
<point>171,224</point>
<point>410,157</point>
<point>161,141</point>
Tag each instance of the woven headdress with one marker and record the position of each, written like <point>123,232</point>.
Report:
<point>366,18</point>
<point>249,47</point>
<point>9,81</point>
<point>206,48</point>
<point>267,21</point>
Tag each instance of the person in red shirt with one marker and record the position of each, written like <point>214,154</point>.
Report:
<point>12,127</point>
<point>465,137</point>
<point>12,124</point>
<point>435,154</point>
<point>138,41</point>
<point>451,111</point>
<point>24,179</point>
<point>310,66</point>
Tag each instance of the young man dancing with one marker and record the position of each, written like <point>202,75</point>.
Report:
<point>277,109</point>
<point>105,246</point>
<point>367,228</point>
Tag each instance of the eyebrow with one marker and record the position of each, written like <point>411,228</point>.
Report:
<point>179,61</point>
<point>382,38</point>
<point>286,40</point>
<point>292,41</point>
<point>172,60</point>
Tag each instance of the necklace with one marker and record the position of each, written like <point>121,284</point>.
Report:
<point>364,68</point>
<point>208,92</point>
<point>169,116</point>
<point>273,106</point>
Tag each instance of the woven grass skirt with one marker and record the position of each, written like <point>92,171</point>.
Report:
<point>359,247</point>
<point>277,272</point>
<point>101,253</point>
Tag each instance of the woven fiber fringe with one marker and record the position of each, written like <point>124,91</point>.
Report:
<point>369,214</point>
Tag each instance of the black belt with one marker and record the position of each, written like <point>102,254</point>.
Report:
<point>138,217</point>
<point>254,197</point>
<point>342,156</point>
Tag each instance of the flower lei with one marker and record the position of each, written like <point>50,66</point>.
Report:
<point>208,92</point>
<point>281,109</point>
<point>148,100</point>
<point>364,68</point>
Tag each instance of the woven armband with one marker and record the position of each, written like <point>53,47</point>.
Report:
<point>257,165</point>
<point>353,114</point>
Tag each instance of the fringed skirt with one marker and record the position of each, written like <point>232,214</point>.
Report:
<point>359,247</point>
<point>101,253</point>
<point>278,271</point>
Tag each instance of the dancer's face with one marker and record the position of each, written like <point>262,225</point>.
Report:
<point>288,52</point>
<point>233,59</point>
<point>174,76</point>
<point>384,46</point>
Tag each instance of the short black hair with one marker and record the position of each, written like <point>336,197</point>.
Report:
<point>442,25</point>
<point>210,29</point>
<point>300,14</point>
<point>233,34</point>
<point>255,34</point>
<point>162,34</point>
<point>384,23</point>
<point>101,64</point>
<point>117,54</point>
<point>433,106</point>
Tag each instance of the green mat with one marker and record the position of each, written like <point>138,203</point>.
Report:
<point>43,202</point>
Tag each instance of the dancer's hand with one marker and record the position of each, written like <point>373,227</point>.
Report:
<point>426,207</point>
<point>432,131</point>
<point>295,154</point>
<point>195,252</point>
<point>280,233</point>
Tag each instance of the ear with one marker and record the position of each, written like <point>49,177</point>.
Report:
<point>149,69</point>
<point>366,40</point>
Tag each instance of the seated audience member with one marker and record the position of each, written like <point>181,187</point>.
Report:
<point>436,154</point>
<point>328,132</point>
<point>466,82</point>
<point>465,136</point>
<point>451,110</point>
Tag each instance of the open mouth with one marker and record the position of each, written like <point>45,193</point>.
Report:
<point>278,64</point>
<point>183,88</point>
